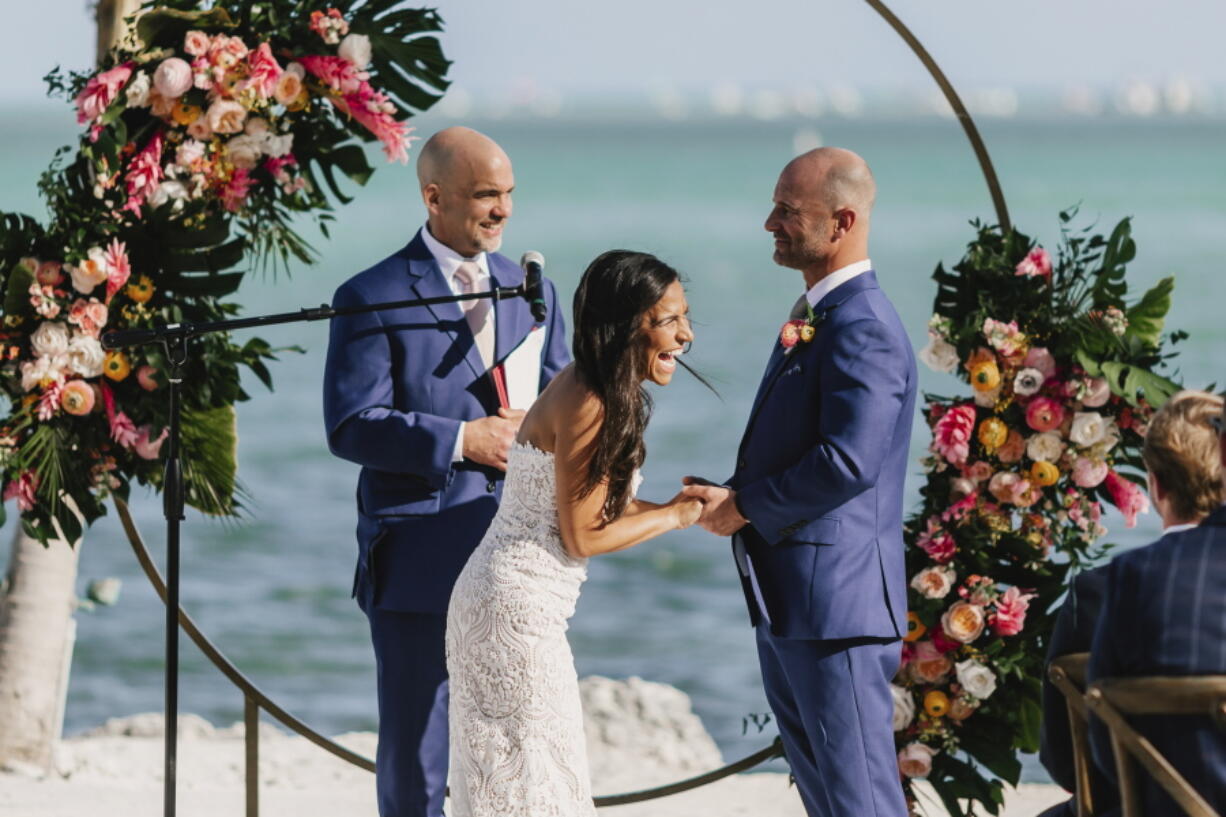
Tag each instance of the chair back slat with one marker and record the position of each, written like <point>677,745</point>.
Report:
<point>1068,674</point>
<point>1198,695</point>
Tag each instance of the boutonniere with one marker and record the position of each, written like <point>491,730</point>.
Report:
<point>800,330</point>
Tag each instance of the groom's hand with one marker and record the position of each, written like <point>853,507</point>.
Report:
<point>719,513</point>
<point>489,439</point>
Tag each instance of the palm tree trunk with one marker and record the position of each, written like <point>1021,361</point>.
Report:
<point>37,597</point>
<point>36,638</point>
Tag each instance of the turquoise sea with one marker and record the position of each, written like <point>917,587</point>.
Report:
<point>273,589</point>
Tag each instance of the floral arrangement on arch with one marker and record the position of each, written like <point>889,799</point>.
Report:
<point>206,133</point>
<point>1061,369</point>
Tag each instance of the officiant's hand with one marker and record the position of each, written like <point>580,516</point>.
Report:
<point>719,513</point>
<point>489,439</point>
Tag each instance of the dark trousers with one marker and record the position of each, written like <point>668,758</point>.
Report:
<point>833,705</point>
<point>411,762</point>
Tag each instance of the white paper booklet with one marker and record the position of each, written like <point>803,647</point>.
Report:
<point>522,369</point>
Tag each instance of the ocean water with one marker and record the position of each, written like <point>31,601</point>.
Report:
<point>272,590</point>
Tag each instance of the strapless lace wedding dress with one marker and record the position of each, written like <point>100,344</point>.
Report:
<point>517,744</point>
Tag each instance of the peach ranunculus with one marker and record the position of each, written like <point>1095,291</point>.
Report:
<point>173,78</point>
<point>1036,264</point>
<point>915,759</point>
<point>226,116</point>
<point>1010,614</point>
<point>963,622</point>
<point>89,315</point>
<point>1012,450</point>
<point>934,582</point>
<point>1044,414</point>
<point>77,398</point>
<point>1089,473</point>
<point>929,665</point>
<point>952,434</point>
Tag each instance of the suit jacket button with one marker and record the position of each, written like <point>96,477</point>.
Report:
<point>490,486</point>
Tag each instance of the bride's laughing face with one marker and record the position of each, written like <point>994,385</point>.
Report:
<point>666,332</point>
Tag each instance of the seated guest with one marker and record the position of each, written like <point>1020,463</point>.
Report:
<point>1185,482</point>
<point>1164,610</point>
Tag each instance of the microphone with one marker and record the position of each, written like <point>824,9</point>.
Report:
<point>533,264</point>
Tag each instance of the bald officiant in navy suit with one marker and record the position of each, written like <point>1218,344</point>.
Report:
<point>409,396</point>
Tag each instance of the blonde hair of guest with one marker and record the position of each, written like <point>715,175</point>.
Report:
<point>1183,457</point>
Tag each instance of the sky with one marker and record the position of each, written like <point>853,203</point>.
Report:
<point>599,50</point>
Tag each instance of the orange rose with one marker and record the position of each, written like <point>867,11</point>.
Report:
<point>963,622</point>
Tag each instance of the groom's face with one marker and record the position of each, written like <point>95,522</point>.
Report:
<point>800,221</point>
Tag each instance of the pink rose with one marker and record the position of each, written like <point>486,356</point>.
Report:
<point>1089,473</point>
<point>1025,493</point>
<point>1012,450</point>
<point>100,92</point>
<point>196,43</point>
<point>1041,359</point>
<point>1127,496</point>
<point>929,665</point>
<point>199,130</point>
<point>1011,612</point>
<point>89,315</point>
<point>1098,392</point>
<point>1002,485</point>
<point>1044,414</point>
<point>226,116</point>
<point>173,78</point>
<point>1037,263</point>
<point>915,759</point>
<point>952,435</point>
<point>963,622</point>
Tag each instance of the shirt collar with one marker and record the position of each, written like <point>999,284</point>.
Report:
<point>449,260</point>
<point>1178,528</point>
<point>840,276</point>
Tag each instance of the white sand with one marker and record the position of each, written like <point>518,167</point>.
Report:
<point>640,734</point>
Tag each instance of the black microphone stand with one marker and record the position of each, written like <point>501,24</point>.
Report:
<point>174,338</point>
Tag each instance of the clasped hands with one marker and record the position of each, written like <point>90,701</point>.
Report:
<point>719,512</point>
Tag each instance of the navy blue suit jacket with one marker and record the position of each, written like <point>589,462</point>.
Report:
<point>821,469</point>
<point>1165,614</point>
<point>398,384</point>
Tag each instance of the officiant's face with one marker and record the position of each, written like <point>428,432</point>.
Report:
<point>801,222</point>
<point>666,328</point>
<point>471,206</point>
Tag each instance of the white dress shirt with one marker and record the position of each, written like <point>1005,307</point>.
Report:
<point>449,261</point>
<point>840,276</point>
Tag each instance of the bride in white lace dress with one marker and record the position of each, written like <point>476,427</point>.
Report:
<point>517,743</point>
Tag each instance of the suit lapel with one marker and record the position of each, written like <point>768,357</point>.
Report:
<point>428,282</point>
<point>512,321</point>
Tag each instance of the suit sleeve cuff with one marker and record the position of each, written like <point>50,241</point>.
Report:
<point>457,452</point>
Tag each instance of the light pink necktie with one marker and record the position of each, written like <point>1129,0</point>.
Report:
<point>478,311</point>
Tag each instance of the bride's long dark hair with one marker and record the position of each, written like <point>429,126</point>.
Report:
<point>616,291</point>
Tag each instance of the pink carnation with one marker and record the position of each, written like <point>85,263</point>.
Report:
<point>101,91</point>
<point>1127,496</point>
<point>1044,414</point>
<point>1010,614</point>
<point>22,489</point>
<point>937,543</point>
<point>952,435</point>
<point>264,71</point>
<point>1036,263</point>
<point>196,43</point>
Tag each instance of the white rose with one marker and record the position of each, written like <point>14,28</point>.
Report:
<point>934,582</point>
<point>939,355</point>
<point>50,339</point>
<point>278,146</point>
<point>90,272</point>
<point>976,679</point>
<point>85,356</point>
<point>904,707</point>
<point>138,90</point>
<point>189,152</point>
<point>169,191</point>
<point>356,49</point>
<point>1045,447</point>
<point>34,372</point>
<point>1088,428</point>
<point>244,151</point>
<point>256,126</point>
<point>172,78</point>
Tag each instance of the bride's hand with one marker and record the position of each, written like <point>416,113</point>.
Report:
<point>686,509</point>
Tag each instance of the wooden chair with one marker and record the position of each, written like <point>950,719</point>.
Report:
<point>1114,699</point>
<point>1068,674</point>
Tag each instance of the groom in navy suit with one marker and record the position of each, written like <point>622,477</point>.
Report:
<point>408,395</point>
<point>814,507</point>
